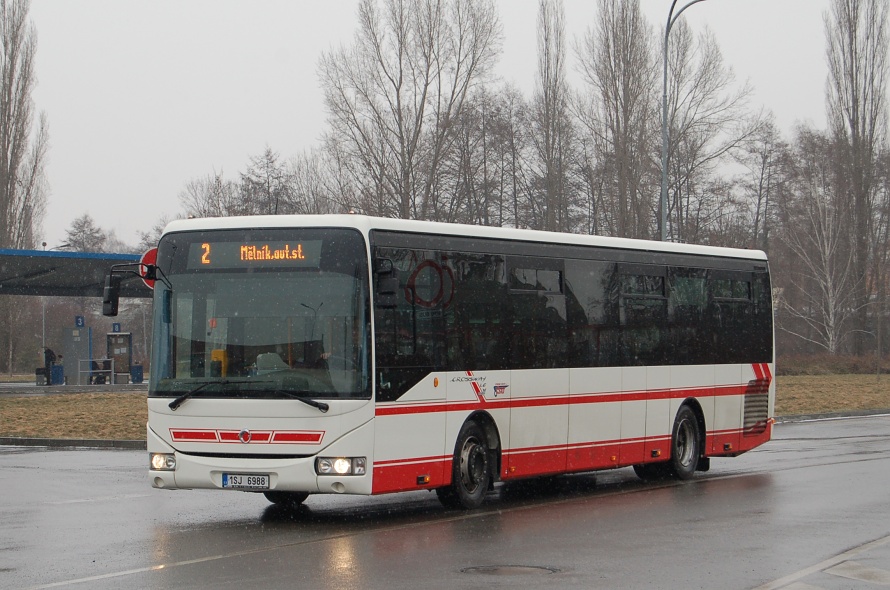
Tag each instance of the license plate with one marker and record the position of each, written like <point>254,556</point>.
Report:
<point>245,481</point>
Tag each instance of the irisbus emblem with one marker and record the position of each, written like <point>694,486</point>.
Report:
<point>244,436</point>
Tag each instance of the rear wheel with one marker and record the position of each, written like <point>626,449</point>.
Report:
<point>470,472</point>
<point>685,444</point>
<point>286,499</point>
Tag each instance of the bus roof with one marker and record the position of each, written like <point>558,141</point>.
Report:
<point>365,224</point>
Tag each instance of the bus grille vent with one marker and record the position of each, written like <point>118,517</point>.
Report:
<point>756,407</point>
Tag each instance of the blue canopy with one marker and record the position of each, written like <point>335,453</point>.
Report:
<point>72,274</point>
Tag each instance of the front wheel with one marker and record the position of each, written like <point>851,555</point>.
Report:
<point>470,472</point>
<point>685,444</point>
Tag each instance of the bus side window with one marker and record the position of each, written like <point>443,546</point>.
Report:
<point>643,314</point>
<point>762,326</point>
<point>539,304</point>
<point>479,318</point>
<point>687,308</point>
<point>592,313</point>
<point>409,326</point>
<point>732,310</point>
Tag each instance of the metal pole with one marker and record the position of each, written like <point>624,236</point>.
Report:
<point>43,305</point>
<point>662,204</point>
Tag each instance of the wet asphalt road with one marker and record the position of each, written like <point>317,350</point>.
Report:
<point>811,509</point>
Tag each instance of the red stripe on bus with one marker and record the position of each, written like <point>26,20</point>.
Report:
<point>560,400</point>
<point>256,436</point>
<point>398,475</point>
<point>193,435</point>
<point>767,374</point>
<point>407,474</point>
<point>758,372</point>
<point>298,437</point>
<point>411,460</point>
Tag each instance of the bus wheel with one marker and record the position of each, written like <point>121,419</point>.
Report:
<point>470,472</point>
<point>286,499</point>
<point>685,444</point>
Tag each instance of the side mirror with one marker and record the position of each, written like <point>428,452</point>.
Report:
<point>111,295</point>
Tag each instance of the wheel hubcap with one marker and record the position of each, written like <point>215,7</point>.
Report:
<point>685,443</point>
<point>473,464</point>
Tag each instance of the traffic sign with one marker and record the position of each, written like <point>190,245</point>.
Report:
<point>150,257</point>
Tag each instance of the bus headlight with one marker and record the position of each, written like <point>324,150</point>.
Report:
<point>340,465</point>
<point>162,461</point>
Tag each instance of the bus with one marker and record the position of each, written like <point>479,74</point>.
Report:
<point>347,354</point>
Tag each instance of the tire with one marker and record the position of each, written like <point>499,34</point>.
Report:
<point>471,470</point>
<point>685,444</point>
<point>286,499</point>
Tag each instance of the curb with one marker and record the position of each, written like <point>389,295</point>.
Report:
<point>16,390</point>
<point>830,416</point>
<point>68,443</point>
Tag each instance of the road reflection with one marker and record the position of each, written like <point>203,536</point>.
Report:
<point>348,533</point>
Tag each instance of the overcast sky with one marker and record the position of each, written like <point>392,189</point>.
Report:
<point>143,96</point>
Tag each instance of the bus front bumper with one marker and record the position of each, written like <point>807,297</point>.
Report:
<point>292,474</point>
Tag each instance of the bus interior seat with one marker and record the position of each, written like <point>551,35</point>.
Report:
<point>269,361</point>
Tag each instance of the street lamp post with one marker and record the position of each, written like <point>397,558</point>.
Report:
<point>43,298</point>
<point>662,204</point>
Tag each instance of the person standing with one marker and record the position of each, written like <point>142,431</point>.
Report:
<point>49,358</point>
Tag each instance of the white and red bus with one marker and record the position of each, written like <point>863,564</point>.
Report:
<point>298,355</point>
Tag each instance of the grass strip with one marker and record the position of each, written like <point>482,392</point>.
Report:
<point>122,416</point>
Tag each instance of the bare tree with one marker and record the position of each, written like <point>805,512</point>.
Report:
<point>765,157</point>
<point>150,239</point>
<point>551,123</point>
<point>483,178</point>
<point>85,236</point>
<point>115,244</point>
<point>856,35</point>
<point>815,232</point>
<point>508,131</point>
<point>881,254</point>
<point>343,189</point>
<point>393,97</point>
<point>22,150</point>
<point>618,67</point>
<point>313,189</point>
<point>466,188</point>
<point>212,196</point>
<point>265,185</point>
<point>708,119</point>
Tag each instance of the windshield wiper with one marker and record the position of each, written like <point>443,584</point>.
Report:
<point>323,407</point>
<point>185,396</point>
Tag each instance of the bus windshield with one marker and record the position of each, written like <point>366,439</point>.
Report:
<point>262,313</point>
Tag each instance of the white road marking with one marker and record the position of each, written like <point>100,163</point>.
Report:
<point>824,565</point>
<point>863,573</point>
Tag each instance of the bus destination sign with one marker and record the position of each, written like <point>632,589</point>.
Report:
<point>214,255</point>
